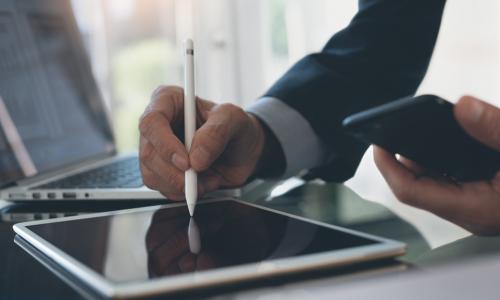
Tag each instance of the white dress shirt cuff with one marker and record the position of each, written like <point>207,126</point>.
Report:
<point>302,147</point>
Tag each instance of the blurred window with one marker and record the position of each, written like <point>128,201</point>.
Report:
<point>243,46</point>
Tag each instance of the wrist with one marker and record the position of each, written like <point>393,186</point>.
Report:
<point>270,157</point>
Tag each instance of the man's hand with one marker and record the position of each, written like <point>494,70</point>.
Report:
<point>226,147</point>
<point>475,205</point>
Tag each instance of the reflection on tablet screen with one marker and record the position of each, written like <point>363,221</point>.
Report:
<point>137,246</point>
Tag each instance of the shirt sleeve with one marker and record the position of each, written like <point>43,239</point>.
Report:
<point>382,55</point>
<point>302,147</point>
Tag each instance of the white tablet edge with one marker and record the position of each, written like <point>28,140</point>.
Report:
<point>386,248</point>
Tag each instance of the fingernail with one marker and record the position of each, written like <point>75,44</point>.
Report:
<point>201,154</point>
<point>476,111</point>
<point>180,162</point>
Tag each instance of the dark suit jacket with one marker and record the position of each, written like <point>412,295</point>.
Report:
<point>382,55</point>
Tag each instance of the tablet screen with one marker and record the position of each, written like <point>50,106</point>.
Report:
<point>165,242</point>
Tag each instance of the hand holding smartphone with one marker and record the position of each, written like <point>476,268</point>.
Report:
<point>424,130</point>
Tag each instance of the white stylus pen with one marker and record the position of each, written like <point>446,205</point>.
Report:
<point>191,180</point>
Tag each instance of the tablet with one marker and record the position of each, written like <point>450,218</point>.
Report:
<point>160,250</point>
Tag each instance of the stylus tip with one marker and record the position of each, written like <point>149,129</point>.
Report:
<point>191,207</point>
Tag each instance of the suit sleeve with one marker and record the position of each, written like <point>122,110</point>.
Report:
<point>382,55</point>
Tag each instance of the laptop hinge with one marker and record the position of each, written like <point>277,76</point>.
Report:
<point>71,168</point>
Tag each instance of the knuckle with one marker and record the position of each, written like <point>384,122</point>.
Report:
<point>163,149</point>
<point>216,133</point>
<point>146,154</point>
<point>173,183</point>
<point>147,122</point>
<point>233,110</point>
<point>228,107</point>
<point>175,191</point>
<point>158,91</point>
<point>149,180</point>
<point>164,90</point>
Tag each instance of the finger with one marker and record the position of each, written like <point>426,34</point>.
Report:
<point>149,178</point>
<point>208,181</point>
<point>146,153</point>
<point>210,140</point>
<point>480,120</point>
<point>158,175</point>
<point>420,171</point>
<point>156,125</point>
<point>442,199</point>
<point>165,178</point>
<point>414,167</point>
<point>168,100</point>
<point>483,215</point>
<point>155,128</point>
<point>170,181</point>
<point>203,107</point>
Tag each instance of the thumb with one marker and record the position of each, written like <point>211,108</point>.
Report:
<point>480,120</point>
<point>211,139</point>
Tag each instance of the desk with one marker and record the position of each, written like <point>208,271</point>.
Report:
<point>22,277</point>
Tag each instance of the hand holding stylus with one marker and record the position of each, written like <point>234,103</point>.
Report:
<point>227,147</point>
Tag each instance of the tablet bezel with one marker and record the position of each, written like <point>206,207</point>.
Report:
<point>384,249</point>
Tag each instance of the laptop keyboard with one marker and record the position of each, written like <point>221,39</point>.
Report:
<point>124,173</point>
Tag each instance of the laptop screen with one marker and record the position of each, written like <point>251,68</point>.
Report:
<point>51,114</point>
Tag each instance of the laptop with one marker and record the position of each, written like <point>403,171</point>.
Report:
<point>56,142</point>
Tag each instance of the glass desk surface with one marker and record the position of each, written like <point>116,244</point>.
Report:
<point>429,245</point>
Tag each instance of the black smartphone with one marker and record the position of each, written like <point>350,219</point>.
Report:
<point>424,130</point>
